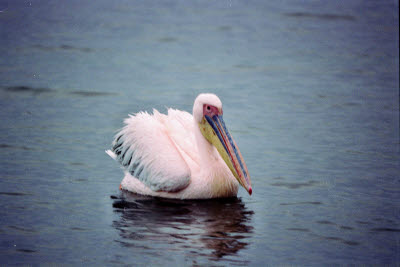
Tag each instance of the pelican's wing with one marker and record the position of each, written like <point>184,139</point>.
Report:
<point>146,150</point>
<point>181,127</point>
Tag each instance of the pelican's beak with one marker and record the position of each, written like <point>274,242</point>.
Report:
<point>214,130</point>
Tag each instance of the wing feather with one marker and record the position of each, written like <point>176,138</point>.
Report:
<point>182,133</point>
<point>145,148</point>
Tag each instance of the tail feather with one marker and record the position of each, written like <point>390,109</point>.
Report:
<point>111,154</point>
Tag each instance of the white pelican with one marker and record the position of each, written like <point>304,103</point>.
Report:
<point>179,155</point>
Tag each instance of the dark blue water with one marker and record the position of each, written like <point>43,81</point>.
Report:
<point>310,93</point>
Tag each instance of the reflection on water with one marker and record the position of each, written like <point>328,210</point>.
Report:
<point>210,228</point>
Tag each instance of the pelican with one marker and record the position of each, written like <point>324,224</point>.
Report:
<point>179,155</point>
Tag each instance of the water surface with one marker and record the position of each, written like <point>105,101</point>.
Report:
<point>310,93</point>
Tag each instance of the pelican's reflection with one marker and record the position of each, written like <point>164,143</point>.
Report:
<point>209,228</point>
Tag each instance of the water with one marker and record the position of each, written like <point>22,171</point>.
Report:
<point>310,93</point>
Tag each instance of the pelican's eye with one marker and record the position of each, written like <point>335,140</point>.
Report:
<point>209,110</point>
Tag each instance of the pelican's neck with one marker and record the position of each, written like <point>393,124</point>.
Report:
<point>207,152</point>
<point>213,169</point>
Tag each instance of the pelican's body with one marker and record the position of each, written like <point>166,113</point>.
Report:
<point>179,155</point>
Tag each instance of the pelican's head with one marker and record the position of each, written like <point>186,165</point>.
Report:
<point>207,112</point>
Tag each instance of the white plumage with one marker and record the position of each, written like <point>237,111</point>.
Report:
<point>168,156</point>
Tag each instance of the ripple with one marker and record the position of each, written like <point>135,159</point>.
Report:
<point>351,243</point>
<point>326,16</point>
<point>326,222</point>
<point>62,47</point>
<point>74,48</point>
<point>332,238</point>
<point>26,250</point>
<point>245,66</point>
<point>27,89</point>
<point>90,93</point>
<point>298,229</point>
<point>224,28</point>
<point>76,164</point>
<point>15,194</point>
<point>167,40</point>
<point>22,229</point>
<point>78,229</point>
<point>302,203</point>
<point>295,185</point>
<point>40,90</point>
<point>79,180</point>
<point>385,229</point>
<point>15,147</point>
<point>339,239</point>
